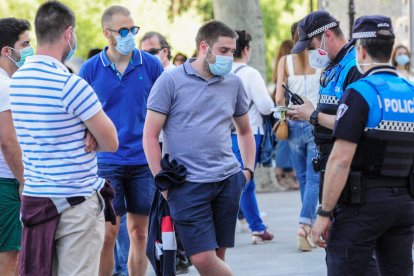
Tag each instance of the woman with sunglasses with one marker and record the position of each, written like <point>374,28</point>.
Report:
<point>295,72</point>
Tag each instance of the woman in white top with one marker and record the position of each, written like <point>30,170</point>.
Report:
<point>401,60</point>
<point>259,103</point>
<point>295,72</point>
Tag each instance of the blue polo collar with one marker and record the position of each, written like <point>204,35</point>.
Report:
<point>136,58</point>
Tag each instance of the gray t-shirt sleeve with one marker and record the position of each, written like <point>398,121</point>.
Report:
<point>242,103</point>
<point>161,94</point>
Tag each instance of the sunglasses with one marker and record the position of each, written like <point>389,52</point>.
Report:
<point>153,51</point>
<point>123,32</point>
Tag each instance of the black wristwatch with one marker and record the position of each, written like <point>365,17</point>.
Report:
<point>314,118</point>
<point>323,213</point>
<point>251,173</point>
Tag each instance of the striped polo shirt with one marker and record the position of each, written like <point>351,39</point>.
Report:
<point>49,106</point>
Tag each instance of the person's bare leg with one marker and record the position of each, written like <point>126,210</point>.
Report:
<point>106,264</point>
<point>221,252</point>
<point>137,230</point>
<point>208,264</point>
<point>9,263</point>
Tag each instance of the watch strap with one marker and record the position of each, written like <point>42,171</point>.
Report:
<point>314,117</point>
<point>324,213</point>
<point>251,173</point>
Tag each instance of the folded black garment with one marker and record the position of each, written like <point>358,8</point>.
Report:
<point>171,174</point>
<point>108,194</point>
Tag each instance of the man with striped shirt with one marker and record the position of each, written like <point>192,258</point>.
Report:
<point>52,112</point>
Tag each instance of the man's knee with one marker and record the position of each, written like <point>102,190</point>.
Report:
<point>111,232</point>
<point>202,261</point>
<point>137,228</point>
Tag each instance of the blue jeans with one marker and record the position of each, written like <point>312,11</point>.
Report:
<point>121,249</point>
<point>283,159</point>
<point>303,150</point>
<point>248,202</point>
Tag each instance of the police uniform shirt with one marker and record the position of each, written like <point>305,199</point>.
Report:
<point>353,74</point>
<point>352,115</point>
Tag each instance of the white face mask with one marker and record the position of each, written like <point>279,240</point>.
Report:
<point>319,58</point>
<point>359,65</point>
<point>362,71</point>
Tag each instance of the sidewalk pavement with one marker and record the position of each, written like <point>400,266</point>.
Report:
<point>278,258</point>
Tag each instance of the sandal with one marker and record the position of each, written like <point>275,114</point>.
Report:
<point>304,238</point>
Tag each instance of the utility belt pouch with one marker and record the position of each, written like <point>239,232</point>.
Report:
<point>356,188</point>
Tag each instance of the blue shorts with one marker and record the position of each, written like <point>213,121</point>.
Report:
<point>134,187</point>
<point>205,214</point>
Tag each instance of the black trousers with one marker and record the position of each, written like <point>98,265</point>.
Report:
<point>384,224</point>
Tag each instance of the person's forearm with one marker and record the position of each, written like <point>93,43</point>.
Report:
<point>336,175</point>
<point>326,120</point>
<point>153,153</point>
<point>247,148</point>
<point>13,156</point>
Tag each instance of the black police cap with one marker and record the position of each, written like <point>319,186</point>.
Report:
<point>372,26</point>
<point>313,24</point>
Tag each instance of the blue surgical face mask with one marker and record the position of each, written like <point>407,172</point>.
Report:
<point>72,50</point>
<point>222,66</point>
<point>125,45</point>
<point>24,53</point>
<point>402,59</point>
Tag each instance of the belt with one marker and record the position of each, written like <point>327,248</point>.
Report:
<point>385,182</point>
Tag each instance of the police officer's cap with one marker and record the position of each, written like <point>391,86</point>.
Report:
<point>313,24</point>
<point>373,26</point>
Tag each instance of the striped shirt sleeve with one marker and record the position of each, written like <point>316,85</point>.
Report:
<point>79,99</point>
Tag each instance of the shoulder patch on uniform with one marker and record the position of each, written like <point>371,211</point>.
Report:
<point>341,111</point>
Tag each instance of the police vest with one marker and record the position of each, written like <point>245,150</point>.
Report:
<point>331,94</point>
<point>386,147</point>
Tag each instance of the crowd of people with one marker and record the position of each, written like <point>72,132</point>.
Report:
<point>141,145</point>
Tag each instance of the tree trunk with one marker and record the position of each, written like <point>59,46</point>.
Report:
<point>245,15</point>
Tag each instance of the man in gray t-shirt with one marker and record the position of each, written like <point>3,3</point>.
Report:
<point>195,104</point>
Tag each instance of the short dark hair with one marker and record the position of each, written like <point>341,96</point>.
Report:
<point>212,30</point>
<point>163,41</point>
<point>242,42</point>
<point>379,49</point>
<point>336,30</point>
<point>111,11</point>
<point>52,19</point>
<point>11,28</point>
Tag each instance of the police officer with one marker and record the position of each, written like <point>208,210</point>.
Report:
<point>328,48</point>
<point>367,201</point>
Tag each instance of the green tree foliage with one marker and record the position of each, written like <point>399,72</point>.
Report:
<point>278,16</point>
<point>178,20</point>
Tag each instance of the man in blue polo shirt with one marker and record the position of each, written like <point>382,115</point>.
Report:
<point>122,77</point>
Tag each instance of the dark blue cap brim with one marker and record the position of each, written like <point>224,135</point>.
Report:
<point>300,46</point>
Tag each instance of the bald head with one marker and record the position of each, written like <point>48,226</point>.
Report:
<point>110,12</point>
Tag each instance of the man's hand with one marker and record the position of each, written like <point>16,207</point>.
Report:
<point>90,142</point>
<point>21,187</point>
<point>301,112</point>
<point>320,231</point>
